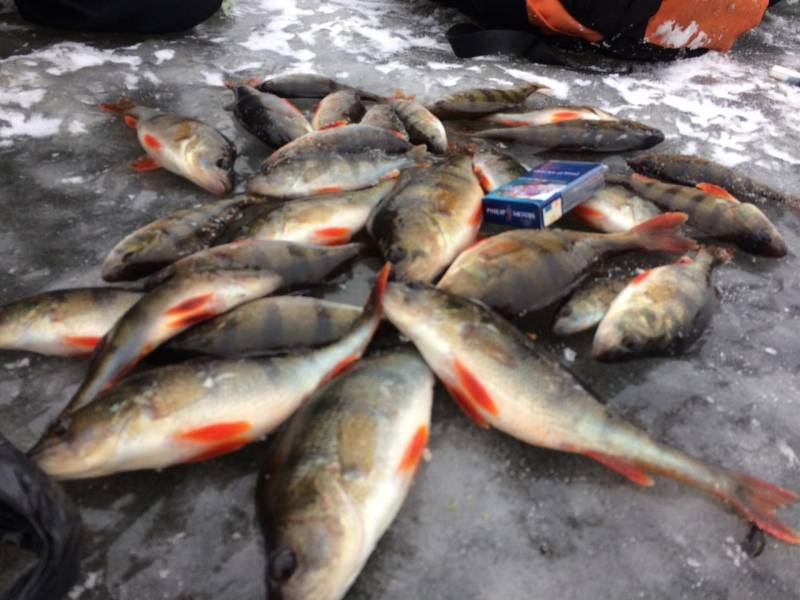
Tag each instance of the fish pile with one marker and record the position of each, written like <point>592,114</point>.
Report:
<point>220,290</point>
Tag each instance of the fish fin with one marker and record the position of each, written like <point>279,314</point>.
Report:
<point>659,233</point>
<point>624,467</point>
<point>414,450</point>
<point>401,95</point>
<point>718,191</point>
<point>419,153</point>
<point>587,213</point>
<point>293,107</point>
<point>474,388</point>
<point>513,123</point>
<point>332,236</point>
<point>393,174</point>
<point>144,163</point>
<point>84,342</point>
<point>328,189</point>
<point>216,432</point>
<point>564,115</point>
<point>756,501</point>
<point>342,366</point>
<point>642,276</point>
<point>483,178</point>
<point>402,135</point>
<point>131,121</point>
<point>477,217</point>
<point>190,305</point>
<point>254,81</point>
<point>120,107</point>
<point>151,141</point>
<point>643,178</point>
<point>334,125</point>
<point>466,406</point>
<point>684,260</point>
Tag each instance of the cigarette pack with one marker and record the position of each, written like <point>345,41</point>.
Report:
<point>541,196</point>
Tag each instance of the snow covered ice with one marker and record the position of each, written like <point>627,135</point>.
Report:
<point>488,517</point>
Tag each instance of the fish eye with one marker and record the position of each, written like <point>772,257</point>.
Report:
<point>628,343</point>
<point>222,162</point>
<point>565,311</point>
<point>282,565</point>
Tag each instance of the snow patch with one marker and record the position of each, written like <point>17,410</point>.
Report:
<point>163,55</point>
<point>672,35</point>
<point>68,57</point>
<point>21,97</point>
<point>14,123</point>
<point>788,453</point>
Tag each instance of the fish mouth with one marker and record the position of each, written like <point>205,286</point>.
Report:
<point>217,182</point>
<point>608,351</point>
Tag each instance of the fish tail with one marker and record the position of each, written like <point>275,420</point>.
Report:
<point>419,154</point>
<point>633,454</point>
<point>659,233</point>
<point>123,106</point>
<point>757,500</point>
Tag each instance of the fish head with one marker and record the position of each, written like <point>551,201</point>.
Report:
<point>573,318</point>
<point>316,549</point>
<point>629,333</point>
<point>125,259</point>
<point>77,446</point>
<point>211,167</point>
<point>758,234</point>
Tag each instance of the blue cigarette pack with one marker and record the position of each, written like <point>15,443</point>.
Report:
<point>540,197</point>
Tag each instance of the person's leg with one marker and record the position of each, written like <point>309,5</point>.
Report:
<point>124,16</point>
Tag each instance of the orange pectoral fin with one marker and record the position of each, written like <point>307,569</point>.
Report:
<point>474,388</point>
<point>84,342</point>
<point>341,367</point>
<point>332,236</point>
<point>477,216</point>
<point>131,121</point>
<point>414,450</point>
<point>513,123</point>
<point>393,174</point>
<point>624,467</point>
<point>465,404</point>
<point>215,433</point>
<point>144,163</point>
<point>485,182</point>
<point>641,277</point>
<point>339,123</point>
<point>190,305</point>
<point>587,213</point>
<point>715,190</point>
<point>564,115</point>
<point>328,189</point>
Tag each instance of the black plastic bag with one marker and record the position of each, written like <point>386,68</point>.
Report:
<point>37,516</point>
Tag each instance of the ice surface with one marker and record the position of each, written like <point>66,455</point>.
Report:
<point>488,517</point>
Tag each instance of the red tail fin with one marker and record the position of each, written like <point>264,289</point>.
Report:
<point>659,233</point>
<point>756,501</point>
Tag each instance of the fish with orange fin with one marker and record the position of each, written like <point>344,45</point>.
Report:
<point>170,238</point>
<point>661,311</point>
<point>588,305</point>
<point>691,170</point>
<point>433,214</point>
<point>474,103</point>
<point>268,326</point>
<point>422,125</point>
<point>273,120</point>
<point>308,85</point>
<point>555,114</point>
<point>162,314</point>
<point>181,145</point>
<point>715,212</point>
<point>296,263</point>
<point>337,109</point>
<point>197,409</point>
<point>327,219</point>
<point>340,159</point>
<point>578,135</point>
<point>499,378</point>
<point>614,209</point>
<point>385,117</point>
<point>523,270</point>
<point>67,322</point>
<point>339,472</point>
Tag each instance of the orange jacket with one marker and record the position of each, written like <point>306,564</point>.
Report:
<point>714,24</point>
